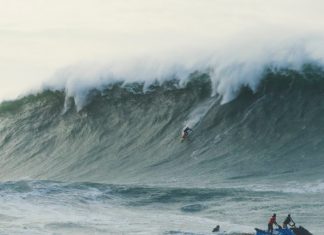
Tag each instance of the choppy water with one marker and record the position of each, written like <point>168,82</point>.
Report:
<point>45,207</point>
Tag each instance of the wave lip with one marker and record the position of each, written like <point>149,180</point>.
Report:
<point>229,67</point>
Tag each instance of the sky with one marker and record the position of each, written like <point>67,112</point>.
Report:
<point>40,37</point>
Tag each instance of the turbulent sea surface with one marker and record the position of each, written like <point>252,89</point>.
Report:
<point>116,165</point>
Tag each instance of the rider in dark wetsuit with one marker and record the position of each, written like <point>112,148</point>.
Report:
<point>216,229</point>
<point>287,221</point>
<point>185,132</point>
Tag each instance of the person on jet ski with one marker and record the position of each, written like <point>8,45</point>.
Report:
<point>216,229</point>
<point>288,221</point>
<point>271,222</point>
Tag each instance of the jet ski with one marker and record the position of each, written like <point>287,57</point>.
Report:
<point>285,231</point>
<point>278,231</point>
<point>301,231</point>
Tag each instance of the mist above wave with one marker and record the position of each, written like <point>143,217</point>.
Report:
<point>230,65</point>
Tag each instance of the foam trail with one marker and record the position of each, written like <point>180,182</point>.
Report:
<point>199,112</point>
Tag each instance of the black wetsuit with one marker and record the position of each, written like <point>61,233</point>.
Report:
<point>287,221</point>
<point>186,131</point>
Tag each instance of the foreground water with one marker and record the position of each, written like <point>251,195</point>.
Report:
<point>45,207</point>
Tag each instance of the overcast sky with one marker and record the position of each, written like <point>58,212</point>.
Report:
<point>37,37</point>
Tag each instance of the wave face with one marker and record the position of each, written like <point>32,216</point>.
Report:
<point>124,135</point>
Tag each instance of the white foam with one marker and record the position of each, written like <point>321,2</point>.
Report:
<point>199,112</point>
<point>232,39</point>
<point>290,187</point>
<point>236,64</point>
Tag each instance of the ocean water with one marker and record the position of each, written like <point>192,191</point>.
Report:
<point>49,207</point>
<point>114,163</point>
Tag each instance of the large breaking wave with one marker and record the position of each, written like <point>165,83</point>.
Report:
<point>129,133</point>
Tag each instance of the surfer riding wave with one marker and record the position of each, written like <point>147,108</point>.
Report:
<point>185,133</point>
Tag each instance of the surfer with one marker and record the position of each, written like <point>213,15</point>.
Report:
<point>271,222</point>
<point>216,229</point>
<point>287,222</point>
<point>185,132</point>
